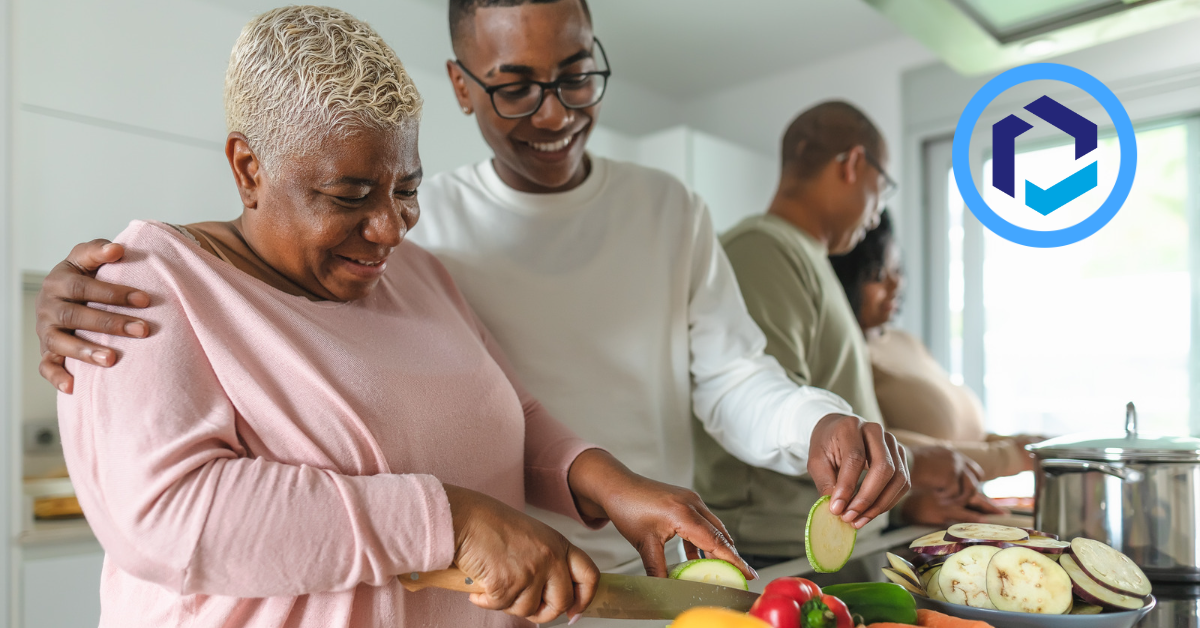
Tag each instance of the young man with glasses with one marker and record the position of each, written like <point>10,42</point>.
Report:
<point>602,281</point>
<point>833,187</point>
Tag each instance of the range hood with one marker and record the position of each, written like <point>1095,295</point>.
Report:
<point>978,36</point>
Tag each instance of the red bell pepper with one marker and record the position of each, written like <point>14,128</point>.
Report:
<point>778,610</point>
<point>798,589</point>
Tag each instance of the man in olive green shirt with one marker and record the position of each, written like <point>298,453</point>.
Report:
<point>832,190</point>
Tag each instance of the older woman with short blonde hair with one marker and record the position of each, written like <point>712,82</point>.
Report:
<point>318,410</point>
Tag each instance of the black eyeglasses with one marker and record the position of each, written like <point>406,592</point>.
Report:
<point>889,184</point>
<point>522,98</point>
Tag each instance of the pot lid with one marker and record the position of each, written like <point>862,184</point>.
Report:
<point>1128,447</point>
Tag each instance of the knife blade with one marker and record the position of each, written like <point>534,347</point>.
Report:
<point>642,597</point>
<point>617,596</point>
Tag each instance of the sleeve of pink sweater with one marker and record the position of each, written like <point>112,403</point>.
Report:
<point>154,455</point>
<point>550,446</point>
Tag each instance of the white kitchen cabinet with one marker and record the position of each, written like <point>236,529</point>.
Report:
<point>733,180</point>
<point>61,586</point>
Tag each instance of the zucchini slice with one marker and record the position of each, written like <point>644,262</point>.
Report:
<point>828,541</point>
<point>710,571</point>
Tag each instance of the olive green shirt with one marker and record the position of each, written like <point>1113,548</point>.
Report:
<point>794,295</point>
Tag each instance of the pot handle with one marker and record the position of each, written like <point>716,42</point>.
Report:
<point>1062,464</point>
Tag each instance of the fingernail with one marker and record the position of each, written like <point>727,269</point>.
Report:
<point>138,299</point>
<point>862,521</point>
<point>135,329</point>
<point>63,387</point>
<point>849,516</point>
<point>837,506</point>
<point>574,619</point>
<point>753,571</point>
<point>100,357</point>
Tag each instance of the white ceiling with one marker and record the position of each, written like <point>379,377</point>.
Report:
<point>685,48</point>
<point>663,52</point>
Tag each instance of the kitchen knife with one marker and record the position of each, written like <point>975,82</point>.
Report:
<point>617,596</point>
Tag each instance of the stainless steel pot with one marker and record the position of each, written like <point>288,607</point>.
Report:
<point>1139,494</point>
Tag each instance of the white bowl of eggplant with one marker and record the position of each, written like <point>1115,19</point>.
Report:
<point>1010,576</point>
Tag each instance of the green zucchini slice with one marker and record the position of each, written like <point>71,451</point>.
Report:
<point>828,541</point>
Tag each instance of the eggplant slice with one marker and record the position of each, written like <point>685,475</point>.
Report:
<point>1093,592</point>
<point>963,578</point>
<point>983,533</point>
<point>1021,580</point>
<point>1110,568</point>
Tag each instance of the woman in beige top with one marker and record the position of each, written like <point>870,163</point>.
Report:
<point>918,401</point>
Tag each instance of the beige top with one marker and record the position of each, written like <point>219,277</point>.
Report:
<point>923,407</point>
<point>794,295</point>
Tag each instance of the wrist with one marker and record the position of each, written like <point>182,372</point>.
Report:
<point>463,503</point>
<point>592,478</point>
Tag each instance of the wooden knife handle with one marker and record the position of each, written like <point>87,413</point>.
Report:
<point>452,579</point>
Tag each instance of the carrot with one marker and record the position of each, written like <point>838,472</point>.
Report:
<point>934,619</point>
<point>888,624</point>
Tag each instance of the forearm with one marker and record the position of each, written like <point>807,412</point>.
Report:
<point>997,457</point>
<point>765,419</point>
<point>910,439</point>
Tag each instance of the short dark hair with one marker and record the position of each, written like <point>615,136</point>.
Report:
<point>461,10</point>
<point>864,262</point>
<point>824,131</point>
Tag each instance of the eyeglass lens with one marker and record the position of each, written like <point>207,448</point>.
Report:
<point>575,92</point>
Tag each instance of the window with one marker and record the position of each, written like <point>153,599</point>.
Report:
<point>1057,340</point>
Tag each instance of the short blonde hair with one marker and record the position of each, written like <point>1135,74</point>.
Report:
<point>300,74</point>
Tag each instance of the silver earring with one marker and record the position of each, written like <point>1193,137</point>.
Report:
<point>467,110</point>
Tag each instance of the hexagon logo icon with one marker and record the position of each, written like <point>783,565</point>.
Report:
<point>1044,201</point>
<point>1004,155</point>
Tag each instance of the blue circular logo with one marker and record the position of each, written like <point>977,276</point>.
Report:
<point>962,151</point>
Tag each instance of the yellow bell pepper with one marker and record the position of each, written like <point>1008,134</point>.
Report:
<point>704,617</point>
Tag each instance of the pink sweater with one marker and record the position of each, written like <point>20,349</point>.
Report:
<point>264,460</point>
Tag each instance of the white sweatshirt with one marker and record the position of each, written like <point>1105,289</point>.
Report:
<point>620,313</point>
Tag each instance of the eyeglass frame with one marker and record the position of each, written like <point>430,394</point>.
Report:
<point>555,85</point>
<point>890,187</point>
